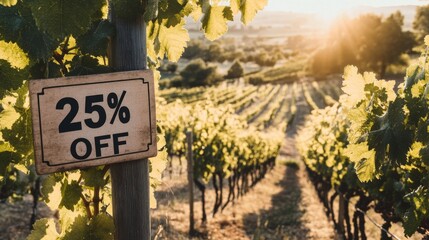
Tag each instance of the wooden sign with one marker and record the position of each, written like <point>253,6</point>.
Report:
<point>93,120</point>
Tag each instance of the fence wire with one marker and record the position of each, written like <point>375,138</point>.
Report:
<point>368,217</point>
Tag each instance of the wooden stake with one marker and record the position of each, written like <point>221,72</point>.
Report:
<point>130,180</point>
<point>341,210</point>
<point>189,139</point>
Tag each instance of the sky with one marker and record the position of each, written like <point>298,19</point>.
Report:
<point>333,6</point>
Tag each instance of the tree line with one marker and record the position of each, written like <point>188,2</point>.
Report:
<point>371,42</point>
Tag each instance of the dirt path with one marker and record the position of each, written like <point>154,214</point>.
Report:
<point>284,205</point>
<point>15,218</point>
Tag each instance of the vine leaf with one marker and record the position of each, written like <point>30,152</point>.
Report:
<point>85,65</point>
<point>8,114</point>
<point>71,194</point>
<point>38,45</point>
<point>7,157</point>
<point>17,25</point>
<point>196,13</point>
<point>215,21</point>
<point>94,42</point>
<point>249,8</point>
<point>127,9</point>
<point>93,177</point>
<point>10,78</point>
<point>12,53</point>
<point>171,13</point>
<point>10,23</point>
<point>364,160</point>
<point>151,10</point>
<point>8,3</point>
<point>235,6</point>
<point>411,222</point>
<point>60,18</point>
<point>44,229</point>
<point>98,228</point>
<point>101,227</point>
<point>78,230</point>
<point>172,41</point>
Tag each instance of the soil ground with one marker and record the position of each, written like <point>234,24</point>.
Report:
<point>15,218</point>
<point>284,205</point>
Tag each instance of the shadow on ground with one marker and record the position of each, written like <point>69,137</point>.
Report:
<point>284,219</point>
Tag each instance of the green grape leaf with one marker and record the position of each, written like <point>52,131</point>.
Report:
<point>215,21</point>
<point>353,86</point>
<point>60,18</point>
<point>85,65</point>
<point>39,229</point>
<point>390,136</point>
<point>48,186</point>
<point>189,8</point>
<point>424,152</point>
<point>71,194</point>
<point>8,115</point>
<point>414,74</point>
<point>20,136</point>
<point>249,8</point>
<point>67,218</point>
<point>78,230</point>
<point>196,12</point>
<point>410,222</point>
<point>38,70</point>
<point>36,44</point>
<point>51,191</point>
<point>101,227</point>
<point>172,41</point>
<point>10,23</point>
<point>43,229</point>
<point>163,5</point>
<point>10,78</point>
<point>8,3</point>
<point>12,53</point>
<point>414,151</point>
<point>93,177</point>
<point>378,140</point>
<point>128,9</point>
<point>6,158</point>
<point>401,137</point>
<point>417,88</point>
<point>151,10</point>
<point>17,25</point>
<point>364,160</point>
<point>235,6</point>
<point>95,41</point>
<point>170,13</point>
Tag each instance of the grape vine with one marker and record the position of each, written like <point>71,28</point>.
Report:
<point>373,145</point>
<point>56,38</point>
<point>223,148</point>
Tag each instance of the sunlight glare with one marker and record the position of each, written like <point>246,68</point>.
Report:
<point>331,10</point>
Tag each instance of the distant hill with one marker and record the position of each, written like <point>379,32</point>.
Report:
<point>300,19</point>
<point>277,24</point>
<point>408,11</point>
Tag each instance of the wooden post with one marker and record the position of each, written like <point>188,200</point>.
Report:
<point>189,139</point>
<point>130,180</point>
<point>341,210</point>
